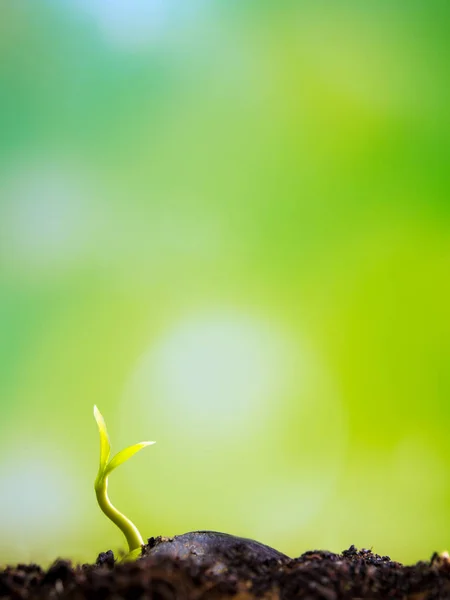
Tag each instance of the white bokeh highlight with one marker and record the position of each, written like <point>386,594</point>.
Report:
<point>36,496</point>
<point>137,24</point>
<point>46,217</point>
<point>214,371</point>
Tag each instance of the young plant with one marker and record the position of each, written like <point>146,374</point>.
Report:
<point>130,531</point>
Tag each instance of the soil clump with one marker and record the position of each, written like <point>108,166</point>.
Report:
<point>214,566</point>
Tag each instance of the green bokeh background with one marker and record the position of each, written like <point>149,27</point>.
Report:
<point>227,225</point>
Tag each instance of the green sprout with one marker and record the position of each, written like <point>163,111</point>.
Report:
<point>130,531</point>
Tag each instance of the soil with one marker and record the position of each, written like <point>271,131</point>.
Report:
<point>215,566</point>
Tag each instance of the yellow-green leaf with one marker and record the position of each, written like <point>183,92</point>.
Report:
<point>105,447</point>
<point>124,455</point>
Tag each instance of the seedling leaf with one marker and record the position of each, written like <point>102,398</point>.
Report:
<point>105,447</point>
<point>124,455</point>
<point>130,531</point>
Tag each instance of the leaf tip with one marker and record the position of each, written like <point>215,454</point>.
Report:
<point>99,417</point>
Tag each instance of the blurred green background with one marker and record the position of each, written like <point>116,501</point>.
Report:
<point>226,223</point>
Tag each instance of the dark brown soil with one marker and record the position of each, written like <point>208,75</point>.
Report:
<point>209,565</point>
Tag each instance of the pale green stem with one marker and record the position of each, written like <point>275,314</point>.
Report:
<point>129,530</point>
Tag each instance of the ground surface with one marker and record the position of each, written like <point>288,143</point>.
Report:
<point>207,565</point>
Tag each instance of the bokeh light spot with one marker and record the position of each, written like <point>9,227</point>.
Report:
<point>35,496</point>
<point>216,370</point>
<point>136,24</point>
<point>44,218</point>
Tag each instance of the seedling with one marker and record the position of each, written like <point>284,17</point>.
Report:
<point>130,531</point>
<point>200,546</point>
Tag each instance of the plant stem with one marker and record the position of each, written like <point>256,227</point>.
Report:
<point>129,530</point>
